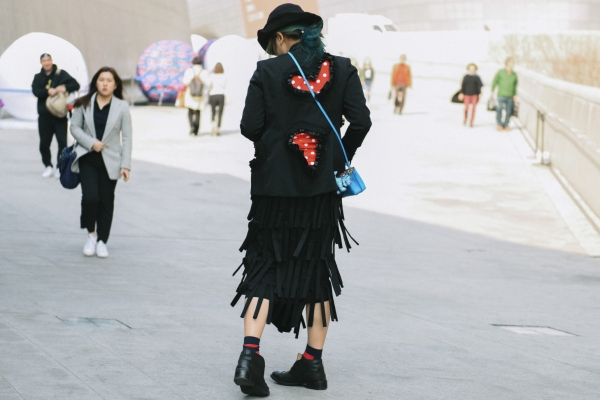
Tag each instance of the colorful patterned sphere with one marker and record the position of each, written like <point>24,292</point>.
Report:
<point>160,69</point>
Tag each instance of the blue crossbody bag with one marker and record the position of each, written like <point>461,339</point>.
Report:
<point>356,184</point>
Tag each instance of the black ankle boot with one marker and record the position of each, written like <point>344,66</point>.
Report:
<point>307,373</point>
<point>250,374</point>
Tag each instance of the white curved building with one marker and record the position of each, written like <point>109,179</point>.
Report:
<point>224,17</point>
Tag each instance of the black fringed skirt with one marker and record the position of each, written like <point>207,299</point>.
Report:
<point>290,257</point>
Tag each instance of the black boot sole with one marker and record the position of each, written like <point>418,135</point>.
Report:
<point>243,379</point>
<point>317,385</point>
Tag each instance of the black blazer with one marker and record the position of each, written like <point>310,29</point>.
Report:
<point>275,111</point>
<point>42,82</point>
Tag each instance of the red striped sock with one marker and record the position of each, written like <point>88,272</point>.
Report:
<point>312,354</point>
<point>252,343</point>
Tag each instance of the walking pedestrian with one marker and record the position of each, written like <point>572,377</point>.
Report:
<point>296,217</point>
<point>368,74</point>
<point>506,80</point>
<point>101,124</point>
<point>195,78</point>
<point>217,83</point>
<point>49,82</point>
<point>470,91</point>
<point>401,80</point>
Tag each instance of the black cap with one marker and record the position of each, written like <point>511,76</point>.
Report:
<point>282,16</point>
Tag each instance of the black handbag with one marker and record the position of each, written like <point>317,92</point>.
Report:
<point>515,110</point>
<point>455,98</point>
<point>68,178</point>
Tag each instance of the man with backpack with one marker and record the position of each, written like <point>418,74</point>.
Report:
<point>51,86</point>
<point>195,79</point>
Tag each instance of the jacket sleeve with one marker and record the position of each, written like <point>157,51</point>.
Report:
<point>463,85</point>
<point>38,89</point>
<point>496,81</point>
<point>188,75</point>
<point>70,83</point>
<point>253,117</point>
<point>126,138</point>
<point>356,112</point>
<point>83,139</point>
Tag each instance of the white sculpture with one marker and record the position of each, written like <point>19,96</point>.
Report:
<point>21,61</point>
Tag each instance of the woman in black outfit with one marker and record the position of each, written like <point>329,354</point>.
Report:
<point>296,218</point>
<point>470,92</point>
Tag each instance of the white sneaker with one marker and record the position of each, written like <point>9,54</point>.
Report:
<point>47,172</point>
<point>101,249</point>
<point>57,173</point>
<point>90,246</point>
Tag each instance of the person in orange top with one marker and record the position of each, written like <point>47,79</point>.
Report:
<point>401,79</point>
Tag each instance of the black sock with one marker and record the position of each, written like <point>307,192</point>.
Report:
<point>312,354</point>
<point>252,343</point>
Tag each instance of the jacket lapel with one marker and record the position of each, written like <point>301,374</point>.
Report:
<point>113,115</point>
<point>88,116</point>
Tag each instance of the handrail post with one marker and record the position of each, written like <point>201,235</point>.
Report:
<point>537,130</point>
<point>543,156</point>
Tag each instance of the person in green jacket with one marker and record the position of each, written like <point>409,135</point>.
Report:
<point>506,81</point>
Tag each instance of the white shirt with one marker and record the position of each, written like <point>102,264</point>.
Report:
<point>217,84</point>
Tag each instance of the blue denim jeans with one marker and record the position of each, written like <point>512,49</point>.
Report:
<point>504,103</point>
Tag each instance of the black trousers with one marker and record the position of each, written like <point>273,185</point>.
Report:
<point>49,126</point>
<point>98,195</point>
<point>194,117</point>
<point>217,100</point>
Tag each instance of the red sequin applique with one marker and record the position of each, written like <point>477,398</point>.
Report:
<point>316,84</point>
<point>308,144</point>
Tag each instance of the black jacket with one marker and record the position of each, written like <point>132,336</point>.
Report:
<point>471,85</point>
<point>42,82</point>
<point>275,111</point>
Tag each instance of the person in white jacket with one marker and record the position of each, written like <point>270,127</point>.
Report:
<point>217,83</point>
<point>195,79</point>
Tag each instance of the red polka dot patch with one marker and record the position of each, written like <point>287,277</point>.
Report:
<point>308,144</point>
<point>316,84</point>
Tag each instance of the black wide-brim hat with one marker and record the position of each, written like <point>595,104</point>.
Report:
<point>282,16</point>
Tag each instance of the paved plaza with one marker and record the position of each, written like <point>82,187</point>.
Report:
<point>460,231</point>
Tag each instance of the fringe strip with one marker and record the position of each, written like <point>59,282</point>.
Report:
<point>290,257</point>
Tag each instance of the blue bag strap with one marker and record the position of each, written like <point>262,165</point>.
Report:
<point>322,109</point>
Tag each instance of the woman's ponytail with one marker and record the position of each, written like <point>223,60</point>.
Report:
<point>312,40</point>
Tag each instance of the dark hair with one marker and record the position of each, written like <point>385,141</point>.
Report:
<point>198,61</point>
<point>45,55</point>
<point>311,38</point>
<point>85,100</point>
<point>473,64</point>
<point>219,69</point>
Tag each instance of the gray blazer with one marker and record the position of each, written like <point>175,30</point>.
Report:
<point>117,136</point>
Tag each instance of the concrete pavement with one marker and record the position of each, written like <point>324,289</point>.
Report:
<point>466,238</point>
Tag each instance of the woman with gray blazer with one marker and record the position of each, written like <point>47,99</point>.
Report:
<point>101,124</point>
